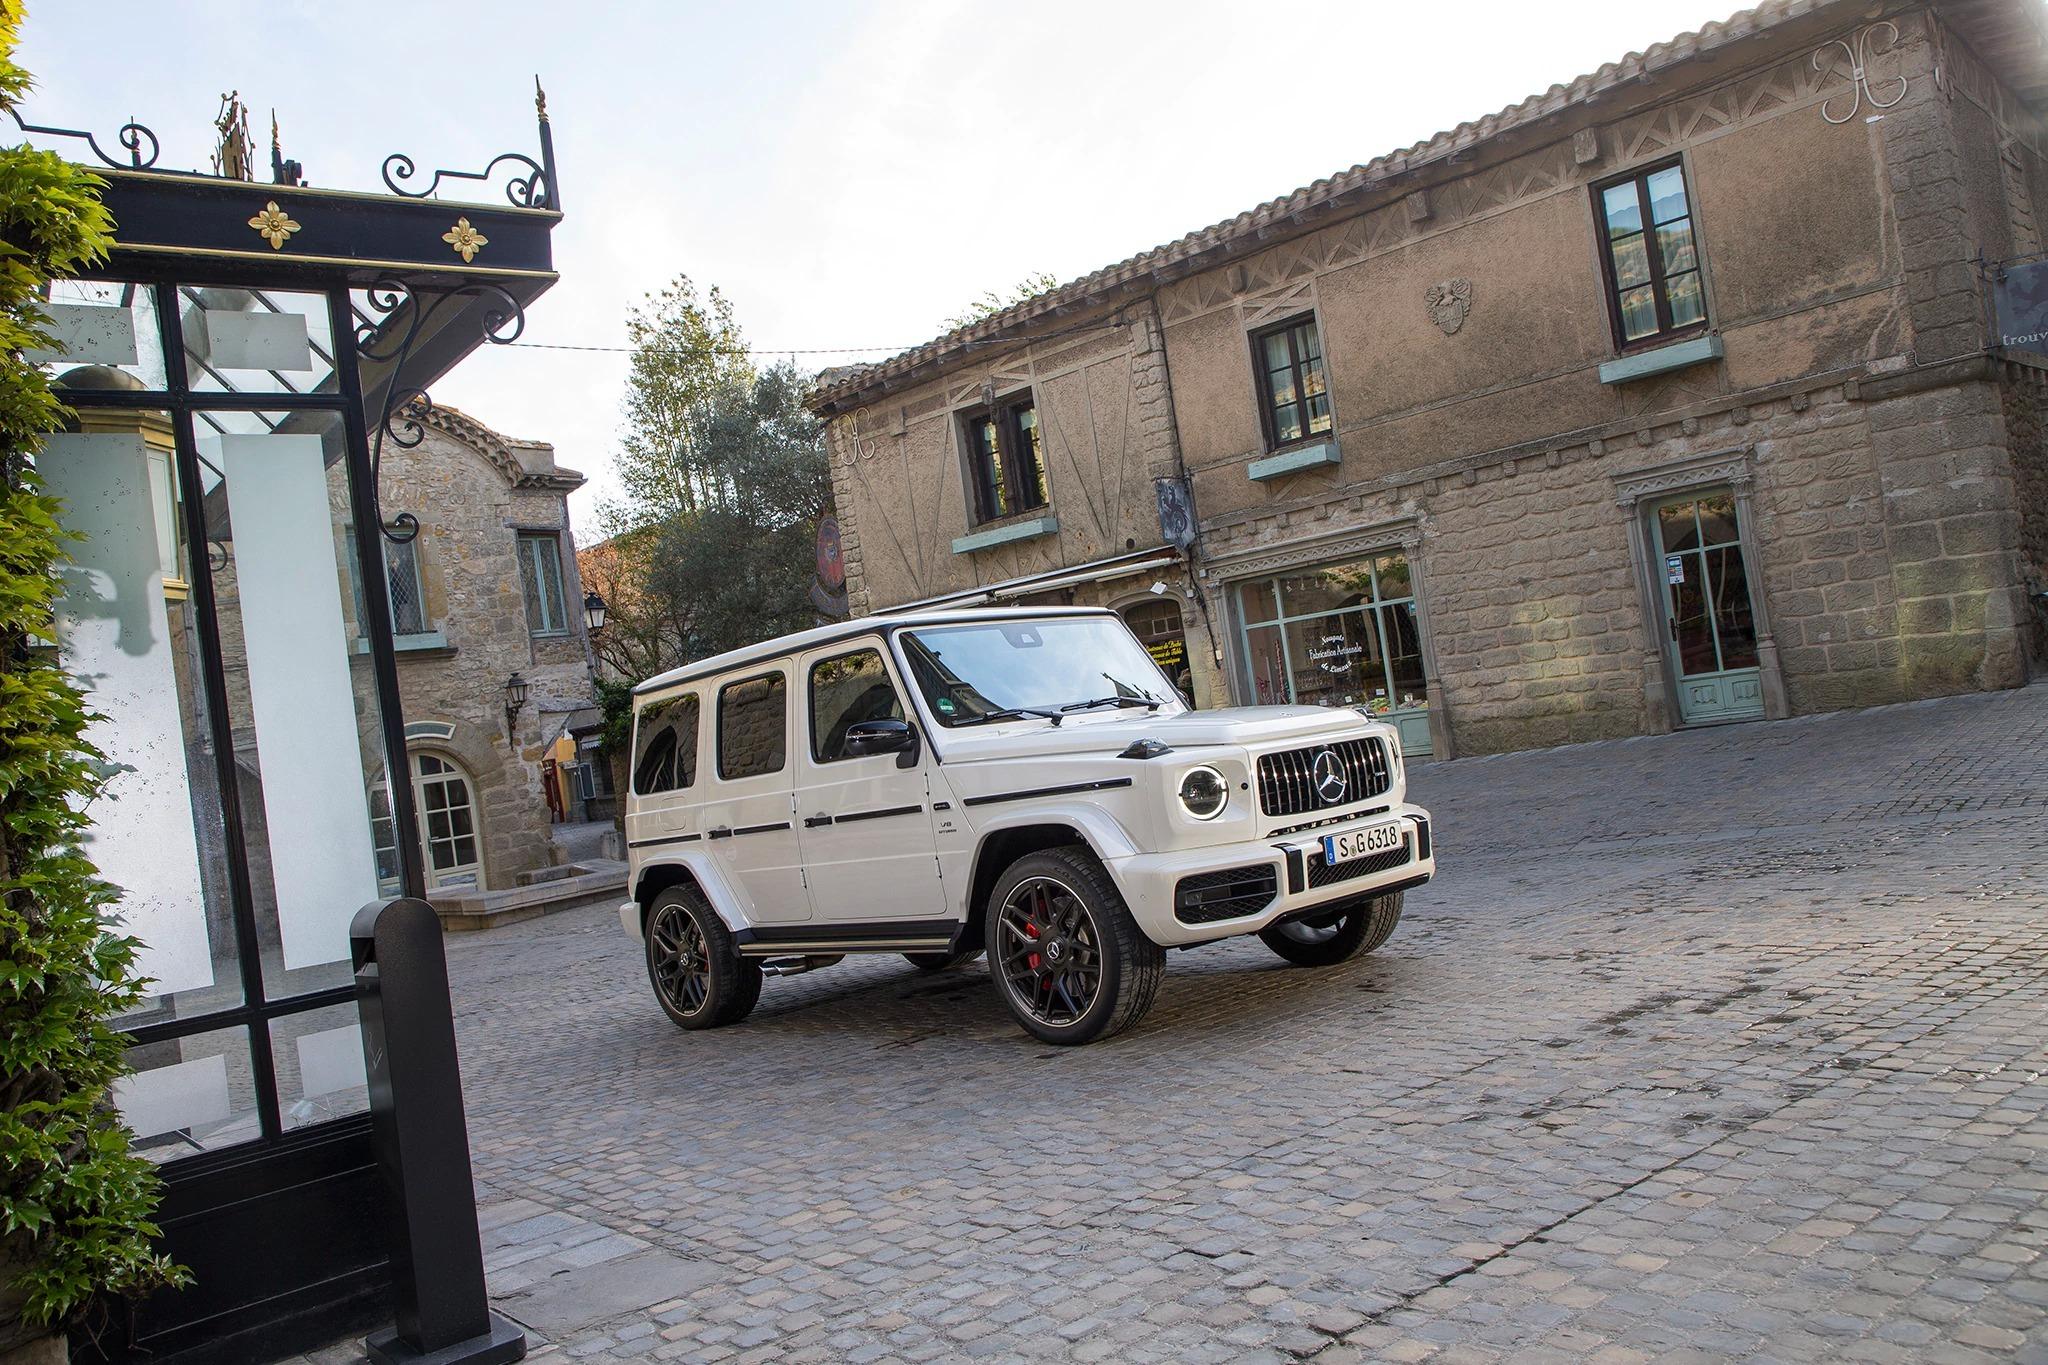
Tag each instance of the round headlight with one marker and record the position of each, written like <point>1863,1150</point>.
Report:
<point>1204,793</point>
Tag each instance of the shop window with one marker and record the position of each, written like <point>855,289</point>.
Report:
<point>1342,635</point>
<point>845,691</point>
<point>1651,255</point>
<point>665,746</point>
<point>1006,459</point>
<point>1293,395</point>
<point>540,575</point>
<point>752,727</point>
<point>1158,624</point>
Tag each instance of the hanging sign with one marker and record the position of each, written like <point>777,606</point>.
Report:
<point>1674,568</point>
<point>2020,295</point>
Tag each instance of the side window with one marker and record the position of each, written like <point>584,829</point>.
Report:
<point>844,692</point>
<point>752,726</point>
<point>1294,398</point>
<point>665,748</point>
<point>1652,256</point>
<point>1005,459</point>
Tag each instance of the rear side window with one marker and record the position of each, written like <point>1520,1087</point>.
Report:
<point>752,726</point>
<point>665,748</point>
<point>845,691</point>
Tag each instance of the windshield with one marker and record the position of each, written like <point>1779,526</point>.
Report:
<point>1000,670</point>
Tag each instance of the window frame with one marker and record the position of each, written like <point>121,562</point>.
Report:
<point>538,535</point>
<point>1665,333</point>
<point>770,676</point>
<point>419,586</point>
<point>673,700</point>
<point>1262,380</point>
<point>984,490</point>
<point>812,737</point>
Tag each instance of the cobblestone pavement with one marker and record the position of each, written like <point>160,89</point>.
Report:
<point>1721,1045</point>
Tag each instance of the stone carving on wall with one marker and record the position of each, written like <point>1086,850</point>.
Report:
<point>1859,56</point>
<point>1448,302</point>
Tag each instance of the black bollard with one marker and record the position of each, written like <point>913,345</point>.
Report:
<point>422,1139</point>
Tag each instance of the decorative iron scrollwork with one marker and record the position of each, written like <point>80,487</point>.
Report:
<point>1859,69</point>
<point>529,191</point>
<point>389,337</point>
<point>140,142</point>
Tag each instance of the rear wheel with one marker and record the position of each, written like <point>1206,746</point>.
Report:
<point>1352,929</point>
<point>1067,958</point>
<point>696,969</point>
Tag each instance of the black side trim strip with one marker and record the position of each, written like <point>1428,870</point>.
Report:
<point>942,805</point>
<point>880,814</point>
<point>849,933</point>
<point>816,821</point>
<point>671,839</point>
<point>760,829</point>
<point>1048,791</point>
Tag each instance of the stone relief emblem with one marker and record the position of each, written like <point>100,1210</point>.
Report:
<point>1449,301</point>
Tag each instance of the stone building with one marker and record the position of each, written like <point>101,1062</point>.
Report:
<point>487,591</point>
<point>1665,397</point>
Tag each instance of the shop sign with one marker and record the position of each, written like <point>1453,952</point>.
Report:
<point>1336,654</point>
<point>1169,654</point>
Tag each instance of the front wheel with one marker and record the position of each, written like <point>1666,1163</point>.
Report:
<point>1067,958</point>
<point>1353,929</point>
<point>696,969</point>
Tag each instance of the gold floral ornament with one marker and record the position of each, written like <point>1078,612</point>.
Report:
<point>466,240</point>
<point>273,225</point>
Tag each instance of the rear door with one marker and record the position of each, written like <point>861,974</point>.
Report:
<point>747,820</point>
<point>865,822</point>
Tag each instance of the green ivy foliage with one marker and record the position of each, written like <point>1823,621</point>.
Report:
<point>75,1204</point>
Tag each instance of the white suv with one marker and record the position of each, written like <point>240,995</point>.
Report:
<point>1020,779</point>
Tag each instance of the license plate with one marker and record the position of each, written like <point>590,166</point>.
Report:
<point>1361,843</point>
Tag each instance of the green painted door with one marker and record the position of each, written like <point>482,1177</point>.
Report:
<point>1709,625</point>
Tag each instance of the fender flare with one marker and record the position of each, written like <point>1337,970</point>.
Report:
<point>726,900</point>
<point>1105,835</point>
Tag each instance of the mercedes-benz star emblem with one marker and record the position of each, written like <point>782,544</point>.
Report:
<point>1330,779</point>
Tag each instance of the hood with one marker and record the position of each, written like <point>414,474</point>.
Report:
<point>1248,726</point>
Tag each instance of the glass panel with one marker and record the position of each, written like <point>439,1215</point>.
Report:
<point>752,725</point>
<point>1326,589</point>
<point>975,673</point>
<point>1268,666</point>
<point>988,466</point>
<point>1675,246</point>
<point>1392,574</point>
<point>1677,528</point>
<point>1692,629</point>
<point>1631,262</point>
<point>128,635</point>
<point>1717,519</point>
<point>256,341</point>
<point>99,326</point>
<point>1256,603</point>
<point>408,602</point>
<point>666,756</point>
<point>844,692</point>
<point>1638,313</point>
<point>189,1095</point>
<point>1027,431</point>
<point>1404,655</point>
<point>1287,423</point>
<point>1667,195</point>
<point>1337,660</point>
<point>1278,360</point>
<point>1687,304</point>
<point>540,572</point>
<point>308,747</point>
<point>1732,608</point>
<point>319,1061</point>
<point>1308,343</point>
<point>384,835</point>
<point>1624,211</point>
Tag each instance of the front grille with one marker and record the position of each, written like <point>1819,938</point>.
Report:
<point>1287,781</point>
<point>1228,894</point>
<point>1321,873</point>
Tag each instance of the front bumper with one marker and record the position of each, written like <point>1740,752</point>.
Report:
<point>1152,882</point>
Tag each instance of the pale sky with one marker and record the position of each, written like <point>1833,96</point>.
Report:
<point>850,175</point>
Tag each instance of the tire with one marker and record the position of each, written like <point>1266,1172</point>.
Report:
<point>939,962</point>
<point>1359,927</point>
<point>1064,897</point>
<point>698,975</point>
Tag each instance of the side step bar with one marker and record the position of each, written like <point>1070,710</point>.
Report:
<point>805,947</point>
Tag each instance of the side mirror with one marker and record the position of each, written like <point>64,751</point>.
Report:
<point>880,737</point>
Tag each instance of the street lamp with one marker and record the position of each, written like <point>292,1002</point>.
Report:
<point>593,611</point>
<point>515,697</point>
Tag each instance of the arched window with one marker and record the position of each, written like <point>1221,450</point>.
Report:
<point>450,843</point>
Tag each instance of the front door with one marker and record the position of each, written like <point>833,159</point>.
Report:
<point>866,822</point>
<point>1709,626</point>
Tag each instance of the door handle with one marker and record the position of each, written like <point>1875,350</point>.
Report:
<point>719,832</point>
<point>813,821</point>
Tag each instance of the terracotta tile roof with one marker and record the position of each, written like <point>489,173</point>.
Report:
<point>838,386</point>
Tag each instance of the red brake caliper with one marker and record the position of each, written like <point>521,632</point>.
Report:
<point>1031,959</point>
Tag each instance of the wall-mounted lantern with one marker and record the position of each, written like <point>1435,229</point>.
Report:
<point>593,611</point>
<point>515,698</point>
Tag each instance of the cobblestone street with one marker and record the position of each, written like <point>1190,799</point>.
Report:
<point>1720,1045</point>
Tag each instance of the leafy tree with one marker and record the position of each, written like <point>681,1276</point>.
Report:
<point>75,1204</point>
<point>688,357</point>
<point>991,303</point>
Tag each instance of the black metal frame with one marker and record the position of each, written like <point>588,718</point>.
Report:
<point>1640,178</point>
<point>1262,377</point>
<point>1022,496</point>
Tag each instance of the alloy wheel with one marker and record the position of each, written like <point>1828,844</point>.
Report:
<point>682,963</point>
<point>1051,956</point>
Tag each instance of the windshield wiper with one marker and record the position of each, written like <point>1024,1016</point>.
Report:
<point>1015,713</point>
<point>1149,703</point>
